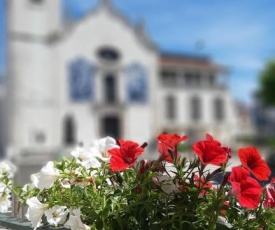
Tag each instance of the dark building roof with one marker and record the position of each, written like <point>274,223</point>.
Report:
<point>190,60</point>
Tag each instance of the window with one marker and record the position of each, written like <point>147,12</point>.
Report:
<point>192,79</point>
<point>69,131</point>
<point>37,136</point>
<point>110,88</point>
<point>168,78</point>
<point>212,80</point>
<point>197,79</point>
<point>188,78</point>
<point>40,137</point>
<point>195,108</point>
<point>108,54</point>
<point>219,109</point>
<point>170,107</point>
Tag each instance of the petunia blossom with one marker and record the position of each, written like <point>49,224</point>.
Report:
<point>246,189</point>
<point>270,194</point>
<point>101,147</point>
<point>74,222</point>
<point>209,137</point>
<point>34,179</point>
<point>210,152</point>
<point>35,211</point>
<point>85,158</point>
<point>47,176</point>
<point>252,161</point>
<point>167,146</point>
<point>125,156</point>
<point>4,198</point>
<point>56,215</point>
<point>227,149</point>
<point>238,174</point>
<point>226,206</point>
<point>8,168</point>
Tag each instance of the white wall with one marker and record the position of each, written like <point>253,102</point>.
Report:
<point>98,30</point>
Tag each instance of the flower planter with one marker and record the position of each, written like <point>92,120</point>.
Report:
<point>106,188</point>
<point>15,223</point>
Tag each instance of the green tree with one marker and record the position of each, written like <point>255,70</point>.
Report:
<point>267,84</point>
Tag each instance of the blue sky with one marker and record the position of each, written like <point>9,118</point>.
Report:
<point>237,34</point>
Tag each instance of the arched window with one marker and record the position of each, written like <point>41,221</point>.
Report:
<point>136,83</point>
<point>219,112</point>
<point>81,74</point>
<point>196,108</point>
<point>170,107</point>
<point>69,131</point>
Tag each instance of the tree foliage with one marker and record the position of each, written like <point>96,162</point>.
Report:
<point>267,84</point>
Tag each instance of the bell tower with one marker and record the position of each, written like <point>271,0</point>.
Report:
<point>32,29</point>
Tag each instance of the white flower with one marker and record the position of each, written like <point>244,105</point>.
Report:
<point>5,202</point>
<point>56,215</point>
<point>35,211</point>
<point>34,179</point>
<point>27,187</point>
<point>47,176</point>
<point>100,148</point>
<point>85,158</point>
<point>4,198</point>
<point>75,222</point>
<point>7,167</point>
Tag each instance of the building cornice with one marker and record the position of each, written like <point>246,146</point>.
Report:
<point>32,38</point>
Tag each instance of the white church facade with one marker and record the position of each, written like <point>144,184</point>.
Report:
<point>71,83</point>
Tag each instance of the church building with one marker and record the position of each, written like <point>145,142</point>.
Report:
<point>102,75</point>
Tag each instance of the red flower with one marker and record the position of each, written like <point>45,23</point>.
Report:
<point>226,206</point>
<point>209,137</point>
<point>270,194</point>
<point>252,161</point>
<point>125,156</point>
<point>227,149</point>
<point>246,189</point>
<point>202,185</point>
<point>238,175</point>
<point>167,145</point>
<point>210,151</point>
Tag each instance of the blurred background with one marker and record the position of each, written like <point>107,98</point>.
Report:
<point>73,71</point>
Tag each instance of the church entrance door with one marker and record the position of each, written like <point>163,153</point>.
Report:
<point>110,126</point>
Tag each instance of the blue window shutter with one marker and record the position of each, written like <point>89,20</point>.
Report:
<point>81,80</point>
<point>137,83</point>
